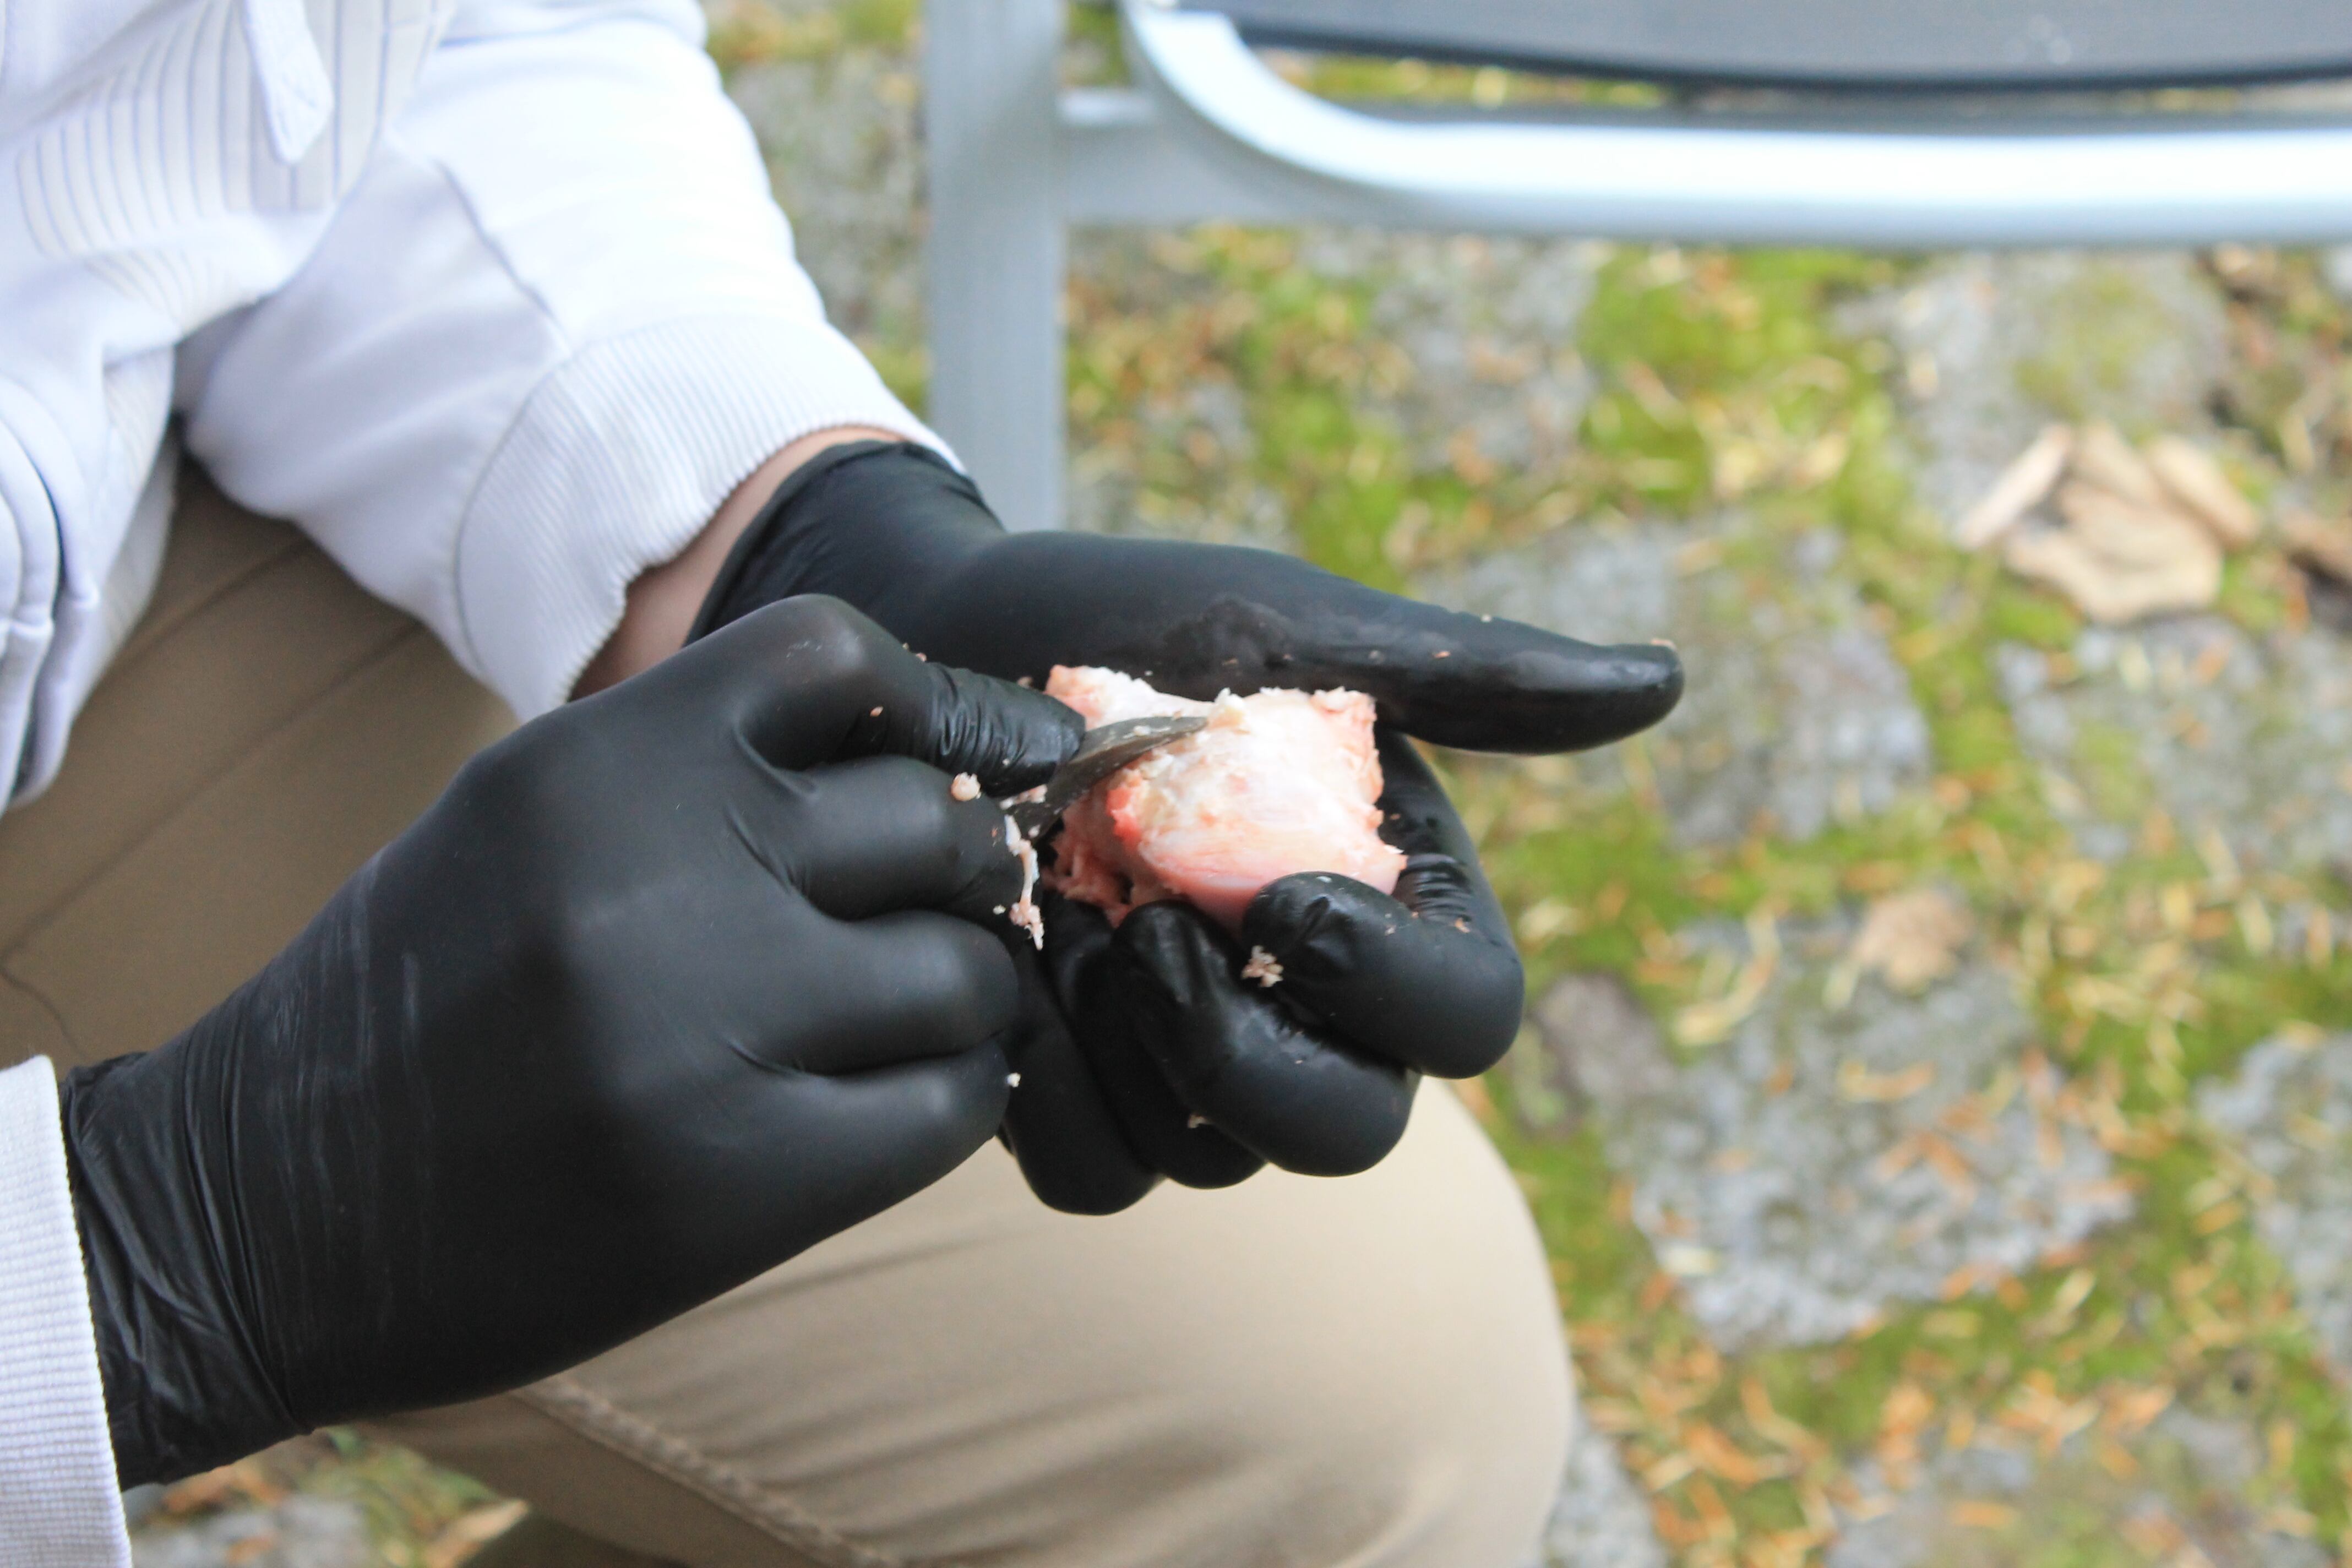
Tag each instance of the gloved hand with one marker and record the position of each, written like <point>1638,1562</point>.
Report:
<point>1151,1055</point>
<point>667,986</point>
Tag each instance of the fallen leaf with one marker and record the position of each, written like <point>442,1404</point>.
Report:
<point>2105,459</point>
<point>1756,1403</point>
<point>2118,560</point>
<point>244,1481</point>
<point>2025,484</point>
<point>1907,1408</point>
<point>1971,1513</point>
<point>1685,1261</point>
<point>2197,482</point>
<point>2285,1519</point>
<point>1719,1455</point>
<point>1711,1022</point>
<point>1911,939</point>
<point>2324,547</point>
<point>2128,532</point>
<point>470,1531</point>
<point>1820,462</point>
<point>1949,1164</point>
<point>1861,1085</point>
<point>1669,1472</point>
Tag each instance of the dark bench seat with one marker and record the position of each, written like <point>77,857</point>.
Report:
<point>1874,44</point>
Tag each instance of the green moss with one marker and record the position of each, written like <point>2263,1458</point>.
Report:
<point>878,24</point>
<point>1384,81</point>
<point>1095,56</point>
<point>2037,619</point>
<point>1718,378</point>
<point>1722,379</point>
<point>1947,615</point>
<point>2108,765</point>
<point>752,32</point>
<point>906,371</point>
<point>2097,329</point>
<point>1602,1263</point>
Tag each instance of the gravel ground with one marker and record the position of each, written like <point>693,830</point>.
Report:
<point>2175,1493</point>
<point>1600,1520</point>
<point>1804,719</point>
<point>1994,347</point>
<point>300,1532</point>
<point>841,137</point>
<point>1827,1162</point>
<point>2289,1110</point>
<point>2246,737</point>
<point>1488,327</point>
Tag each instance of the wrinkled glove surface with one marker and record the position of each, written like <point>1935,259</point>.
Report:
<point>1151,1055</point>
<point>670,985</point>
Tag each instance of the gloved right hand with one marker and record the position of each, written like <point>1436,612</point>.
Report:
<point>1150,1054</point>
<point>672,983</point>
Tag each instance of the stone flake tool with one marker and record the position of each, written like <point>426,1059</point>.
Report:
<point>1101,753</point>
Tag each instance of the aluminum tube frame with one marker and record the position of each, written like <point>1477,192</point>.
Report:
<point>1210,133</point>
<point>993,258</point>
<point>2242,180</point>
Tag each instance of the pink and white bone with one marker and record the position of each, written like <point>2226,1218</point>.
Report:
<point>1280,782</point>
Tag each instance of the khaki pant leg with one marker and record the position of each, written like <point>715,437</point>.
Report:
<point>1301,1373</point>
<point>1294,1372</point>
<point>267,727</point>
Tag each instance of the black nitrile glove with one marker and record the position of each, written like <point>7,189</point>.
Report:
<point>1159,1059</point>
<point>670,985</point>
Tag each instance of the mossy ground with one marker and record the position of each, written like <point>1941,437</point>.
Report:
<point>1722,380</point>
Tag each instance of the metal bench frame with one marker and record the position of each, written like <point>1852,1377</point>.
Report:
<point>1210,133</point>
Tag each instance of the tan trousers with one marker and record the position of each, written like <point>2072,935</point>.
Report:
<point>1294,1372</point>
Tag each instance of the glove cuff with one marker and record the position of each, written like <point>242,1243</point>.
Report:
<point>182,1390</point>
<point>878,524</point>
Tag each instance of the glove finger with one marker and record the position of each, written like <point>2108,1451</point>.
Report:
<point>1103,997</point>
<point>899,987</point>
<point>862,837</point>
<point>780,1163</point>
<point>1248,1065</point>
<point>1058,1125</point>
<point>1434,994</point>
<point>1429,977</point>
<point>879,1136</point>
<point>809,680</point>
<point>1246,620</point>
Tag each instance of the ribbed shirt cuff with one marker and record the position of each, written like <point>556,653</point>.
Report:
<point>58,1504</point>
<point>617,462</point>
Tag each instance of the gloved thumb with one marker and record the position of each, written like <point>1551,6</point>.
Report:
<point>810,680</point>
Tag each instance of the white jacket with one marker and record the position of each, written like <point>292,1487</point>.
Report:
<point>488,296</point>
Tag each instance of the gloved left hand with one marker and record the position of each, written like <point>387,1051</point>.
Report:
<point>669,984</point>
<point>1149,1055</point>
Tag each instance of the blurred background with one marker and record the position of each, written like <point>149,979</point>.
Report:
<point>1937,1088</point>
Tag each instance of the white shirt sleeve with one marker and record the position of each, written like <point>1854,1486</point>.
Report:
<point>58,1504</point>
<point>554,323</point>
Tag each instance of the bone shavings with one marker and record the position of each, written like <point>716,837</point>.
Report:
<point>1025,912</point>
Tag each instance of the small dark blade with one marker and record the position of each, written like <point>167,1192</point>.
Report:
<point>1101,753</point>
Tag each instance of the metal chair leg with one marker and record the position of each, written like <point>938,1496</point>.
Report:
<point>995,252</point>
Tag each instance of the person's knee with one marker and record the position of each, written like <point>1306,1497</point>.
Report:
<point>1290,1373</point>
<point>1447,1456</point>
<point>1408,1400</point>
